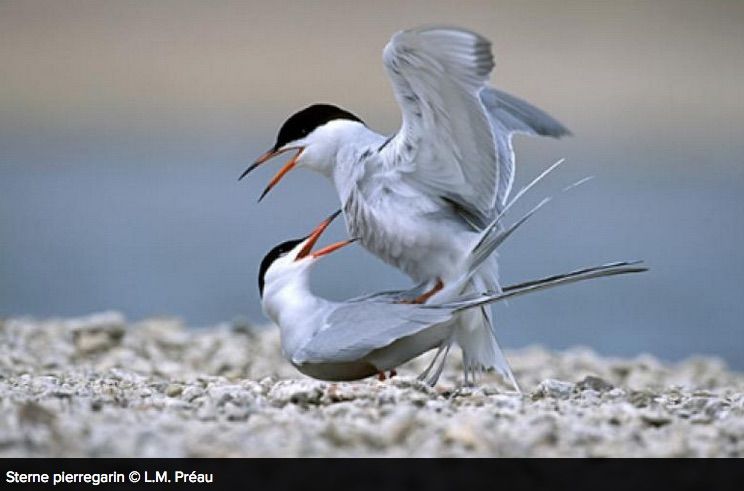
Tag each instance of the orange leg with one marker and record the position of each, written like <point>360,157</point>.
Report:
<point>381,376</point>
<point>426,295</point>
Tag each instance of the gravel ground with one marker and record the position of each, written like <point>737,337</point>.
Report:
<point>97,386</point>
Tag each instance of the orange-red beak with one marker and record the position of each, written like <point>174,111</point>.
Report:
<point>315,235</point>
<point>278,177</point>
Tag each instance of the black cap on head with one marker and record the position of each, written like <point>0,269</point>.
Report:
<point>272,256</point>
<point>303,122</point>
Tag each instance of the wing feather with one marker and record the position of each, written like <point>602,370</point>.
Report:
<point>445,144</point>
<point>356,329</point>
<point>508,115</point>
<point>455,140</point>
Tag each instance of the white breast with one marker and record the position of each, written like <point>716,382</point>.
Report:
<point>408,230</point>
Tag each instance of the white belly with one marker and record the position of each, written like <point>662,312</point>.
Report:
<point>413,234</point>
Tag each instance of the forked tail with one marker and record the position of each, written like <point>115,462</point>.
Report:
<point>611,269</point>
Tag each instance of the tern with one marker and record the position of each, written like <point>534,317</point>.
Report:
<point>420,199</point>
<point>370,335</point>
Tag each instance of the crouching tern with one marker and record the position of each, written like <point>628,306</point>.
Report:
<point>421,198</point>
<point>370,335</point>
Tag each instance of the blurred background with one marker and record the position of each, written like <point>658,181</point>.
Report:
<point>124,127</point>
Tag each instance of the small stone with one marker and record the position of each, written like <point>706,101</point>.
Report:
<point>641,398</point>
<point>236,412</point>
<point>462,434</point>
<point>207,412</point>
<point>555,389</point>
<point>594,383</point>
<point>241,325</point>
<point>656,420</point>
<point>33,413</point>
<point>98,332</point>
<point>301,392</point>
<point>174,390</point>
<point>191,392</point>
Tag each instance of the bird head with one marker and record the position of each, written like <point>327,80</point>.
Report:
<point>293,257</point>
<point>313,135</point>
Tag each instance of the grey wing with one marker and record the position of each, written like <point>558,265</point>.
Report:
<point>445,144</point>
<point>392,296</point>
<point>356,329</point>
<point>508,115</point>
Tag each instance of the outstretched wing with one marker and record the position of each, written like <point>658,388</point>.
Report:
<point>356,329</point>
<point>445,145</point>
<point>509,115</point>
<point>455,138</point>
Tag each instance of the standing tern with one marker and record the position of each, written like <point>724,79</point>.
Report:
<point>370,335</point>
<point>421,198</point>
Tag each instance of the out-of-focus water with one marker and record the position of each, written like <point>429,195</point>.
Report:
<point>183,237</point>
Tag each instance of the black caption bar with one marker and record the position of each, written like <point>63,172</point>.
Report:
<point>373,474</point>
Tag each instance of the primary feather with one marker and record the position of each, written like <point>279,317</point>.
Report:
<point>445,143</point>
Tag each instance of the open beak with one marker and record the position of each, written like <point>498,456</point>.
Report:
<point>315,235</point>
<point>278,177</point>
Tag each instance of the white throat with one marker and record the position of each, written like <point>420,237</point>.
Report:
<point>334,143</point>
<point>290,304</point>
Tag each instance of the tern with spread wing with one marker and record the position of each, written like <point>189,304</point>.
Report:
<point>421,199</point>
<point>370,335</point>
